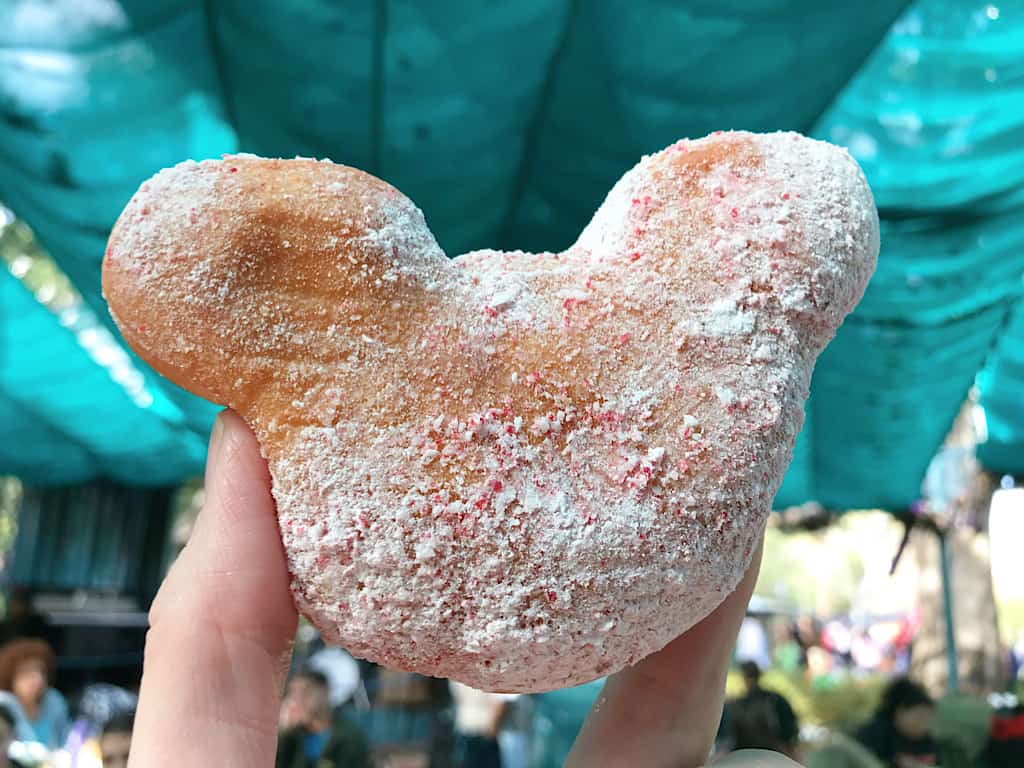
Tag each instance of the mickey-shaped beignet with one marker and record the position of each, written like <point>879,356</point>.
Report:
<point>521,471</point>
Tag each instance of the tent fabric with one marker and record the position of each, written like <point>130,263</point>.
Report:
<point>1001,396</point>
<point>507,124</point>
<point>930,119</point>
<point>64,418</point>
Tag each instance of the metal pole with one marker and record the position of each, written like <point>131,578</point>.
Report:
<point>947,607</point>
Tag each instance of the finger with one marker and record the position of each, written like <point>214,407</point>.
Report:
<point>222,624</point>
<point>664,711</point>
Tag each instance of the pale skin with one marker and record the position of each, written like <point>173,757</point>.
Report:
<point>222,626</point>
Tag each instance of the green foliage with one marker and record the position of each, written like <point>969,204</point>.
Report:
<point>820,571</point>
<point>10,499</point>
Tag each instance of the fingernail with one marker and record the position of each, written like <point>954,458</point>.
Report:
<point>216,444</point>
<point>217,435</point>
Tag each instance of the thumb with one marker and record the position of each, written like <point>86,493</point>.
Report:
<point>222,624</point>
<point>755,758</point>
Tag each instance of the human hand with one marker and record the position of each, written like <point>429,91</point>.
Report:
<point>222,626</point>
<point>664,711</point>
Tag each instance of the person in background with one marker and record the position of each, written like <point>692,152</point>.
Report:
<point>311,736</point>
<point>762,719</point>
<point>7,724</point>
<point>22,619</point>
<point>27,670</point>
<point>98,704</point>
<point>1017,658</point>
<point>116,741</point>
<point>899,734</point>
<point>752,642</point>
<point>514,732</point>
<point>902,645</point>
<point>787,655</point>
<point>837,638</point>
<point>478,716</point>
<point>817,661</point>
<point>807,636</point>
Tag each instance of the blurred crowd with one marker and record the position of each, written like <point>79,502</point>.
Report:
<point>339,712</point>
<point>335,712</point>
<point>907,729</point>
<point>823,649</point>
<point>902,732</point>
<point>38,725</point>
<point>898,734</point>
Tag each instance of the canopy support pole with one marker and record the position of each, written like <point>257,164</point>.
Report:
<point>952,661</point>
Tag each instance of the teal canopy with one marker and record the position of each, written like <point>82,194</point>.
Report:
<point>73,406</point>
<point>507,122</point>
<point>1000,387</point>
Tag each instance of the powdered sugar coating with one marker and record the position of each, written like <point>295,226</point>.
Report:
<point>521,471</point>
